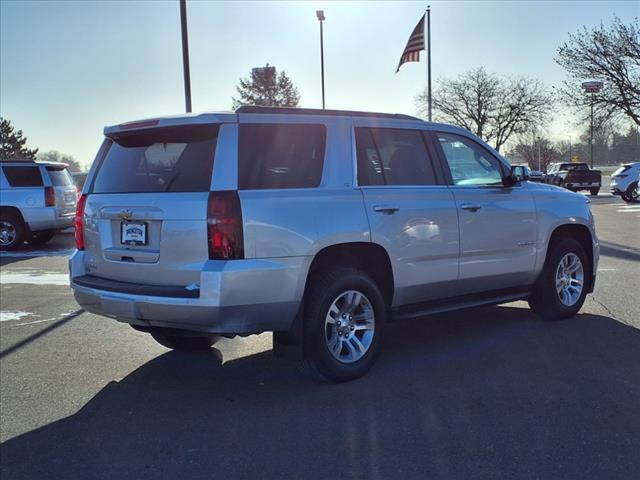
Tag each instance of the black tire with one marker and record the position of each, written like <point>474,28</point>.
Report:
<point>630,196</point>
<point>545,299</point>
<point>42,237</point>
<point>185,343</point>
<point>594,191</point>
<point>326,287</point>
<point>12,231</point>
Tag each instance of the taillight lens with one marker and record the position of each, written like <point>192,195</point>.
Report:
<point>224,226</point>
<point>79,223</point>
<point>49,197</point>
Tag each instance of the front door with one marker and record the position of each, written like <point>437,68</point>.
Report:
<point>497,223</point>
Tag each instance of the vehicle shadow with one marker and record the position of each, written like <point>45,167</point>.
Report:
<point>476,394</point>
<point>62,244</point>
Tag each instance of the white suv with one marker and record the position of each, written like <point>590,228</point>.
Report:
<point>320,226</point>
<point>624,182</point>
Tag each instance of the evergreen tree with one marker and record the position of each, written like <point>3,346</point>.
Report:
<point>12,143</point>
<point>265,87</point>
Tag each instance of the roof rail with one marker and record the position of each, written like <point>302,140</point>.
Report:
<point>17,160</point>
<point>318,111</point>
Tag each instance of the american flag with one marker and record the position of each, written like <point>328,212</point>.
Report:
<point>414,45</point>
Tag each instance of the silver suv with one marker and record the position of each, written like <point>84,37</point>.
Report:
<point>37,199</point>
<point>320,226</point>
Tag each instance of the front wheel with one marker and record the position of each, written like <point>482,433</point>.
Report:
<point>185,343</point>
<point>562,287</point>
<point>12,231</point>
<point>594,191</point>
<point>345,313</point>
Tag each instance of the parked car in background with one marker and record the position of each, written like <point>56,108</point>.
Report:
<point>38,199</point>
<point>78,179</point>
<point>574,177</point>
<point>625,182</point>
<point>536,176</point>
<point>320,226</point>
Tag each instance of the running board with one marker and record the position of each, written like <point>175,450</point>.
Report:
<point>456,303</point>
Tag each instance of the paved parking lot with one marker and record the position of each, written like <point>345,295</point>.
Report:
<point>482,393</point>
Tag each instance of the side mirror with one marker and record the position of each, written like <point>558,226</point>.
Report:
<point>520,173</point>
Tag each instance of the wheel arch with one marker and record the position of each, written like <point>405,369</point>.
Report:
<point>369,257</point>
<point>582,234</point>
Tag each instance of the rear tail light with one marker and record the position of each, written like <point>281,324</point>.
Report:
<point>224,226</point>
<point>49,197</point>
<point>79,223</point>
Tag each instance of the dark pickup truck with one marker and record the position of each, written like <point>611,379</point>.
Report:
<point>574,176</point>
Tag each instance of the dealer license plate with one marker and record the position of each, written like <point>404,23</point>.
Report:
<point>133,233</point>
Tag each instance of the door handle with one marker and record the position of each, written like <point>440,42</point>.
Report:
<point>472,207</point>
<point>386,209</point>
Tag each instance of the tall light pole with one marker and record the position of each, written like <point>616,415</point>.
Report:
<point>539,155</point>
<point>320,15</point>
<point>185,55</point>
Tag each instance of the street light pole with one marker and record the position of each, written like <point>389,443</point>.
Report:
<point>591,130</point>
<point>185,55</point>
<point>539,156</point>
<point>320,15</point>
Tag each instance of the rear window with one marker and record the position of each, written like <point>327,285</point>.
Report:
<point>59,177</point>
<point>280,156</point>
<point>174,159</point>
<point>23,176</point>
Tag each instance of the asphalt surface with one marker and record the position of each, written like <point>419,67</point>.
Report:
<point>481,393</point>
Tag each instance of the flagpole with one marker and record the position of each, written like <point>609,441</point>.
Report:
<point>429,58</point>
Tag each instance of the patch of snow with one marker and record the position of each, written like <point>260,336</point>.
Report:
<point>9,316</point>
<point>34,278</point>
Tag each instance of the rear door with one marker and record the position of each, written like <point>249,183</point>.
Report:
<point>146,209</point>
<point>497,223</point>
<point>65,190</point>
<point>411,213</point>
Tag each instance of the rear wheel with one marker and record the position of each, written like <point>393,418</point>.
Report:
<point>631,195</point>
<point>594,191</point>
<point>185,343</point>
<point>344,316</point>
<point>12,231</point>
<point>562,287</point>
<point>42,237</point>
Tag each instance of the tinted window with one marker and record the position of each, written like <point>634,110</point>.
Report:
<point>280,156</point>
<point>60,178</point>
<point>175,159</point>
<point>23,176</point>
<point>389,156</point>
<point>470,164</point>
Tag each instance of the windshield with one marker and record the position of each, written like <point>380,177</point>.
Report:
<point>176,159</point>
<point>60,177</point>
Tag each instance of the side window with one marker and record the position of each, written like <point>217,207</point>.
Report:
<point>389,156</point>
<point>280,155</point>
<point>23,176</point>
<point>470,164</point>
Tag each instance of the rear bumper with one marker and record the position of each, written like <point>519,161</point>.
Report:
<point>580,185</point>
<point>242,296</point>
<point>48,218</point>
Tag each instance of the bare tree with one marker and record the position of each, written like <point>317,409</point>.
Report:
<point>494,108</point>
<point>608,54</point>
<point>531,148</point>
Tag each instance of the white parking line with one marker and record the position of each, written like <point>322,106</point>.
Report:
<point>10,316</point>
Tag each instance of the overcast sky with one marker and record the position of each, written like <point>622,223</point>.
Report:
<point>67,69</point>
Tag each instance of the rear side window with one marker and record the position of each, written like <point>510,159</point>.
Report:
<point>280,156</point>
<point>173,159</point>
<point>23,176</point>
<point>388,156</point>
<point>59,177</point>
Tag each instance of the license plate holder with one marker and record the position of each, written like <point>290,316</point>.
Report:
<point>133,233</point>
